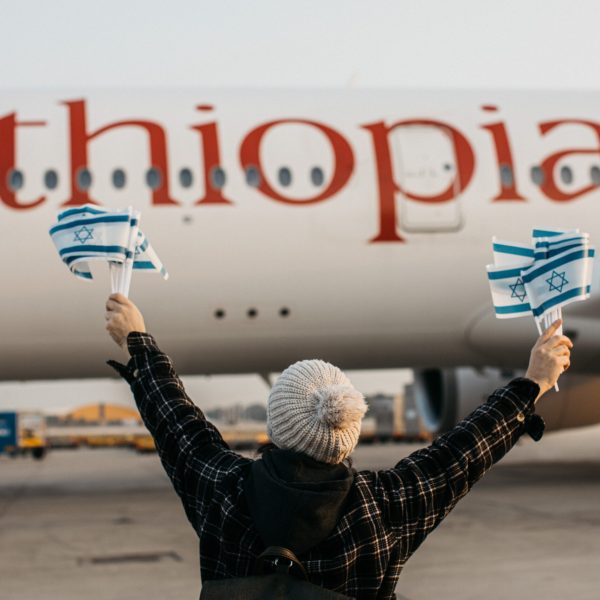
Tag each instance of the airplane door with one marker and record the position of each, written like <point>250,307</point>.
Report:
<point>426,167</point>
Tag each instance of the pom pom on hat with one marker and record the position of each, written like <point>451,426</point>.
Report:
<point>340,406</point>
<point>313,408</point>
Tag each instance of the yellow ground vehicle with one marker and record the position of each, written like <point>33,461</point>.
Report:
<point>144,443</point>
<point>23,433</point>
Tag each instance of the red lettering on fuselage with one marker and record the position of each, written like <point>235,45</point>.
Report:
<point>388,187</point>
<point>211,159</point>
<point>549,187</point>
<point>342,169</point>
<point>80,138</point>
<point>504,158</point>
<point>8,150</point>
<point>343,160</point>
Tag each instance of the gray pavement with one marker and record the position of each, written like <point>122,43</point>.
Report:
<point>105,524</point>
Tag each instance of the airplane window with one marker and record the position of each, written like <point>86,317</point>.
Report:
<point>252,177</point>
<point>84,179</point>
<point>51,179</point>
<point>316,176</point>
<point>16,180</point>
<point>537,175</point>
<point>252,313</point>
<point>285,176</point>
<point>506,176</point>
<point>153,178</point>
<point>119,178</point>
<point>219,313</point>
<point>186,178</point>
<point>218,178</point>
<point>595,175</point>
<point>566,175</point>
<point>284,312</point>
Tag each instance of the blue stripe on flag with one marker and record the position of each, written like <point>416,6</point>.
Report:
<point>72,259</point>
<point>579,238</point>
<point>79,211</point>
<point>149,266</point>
<point>505,274</point>
<point>528,277</point>
<point>143,264</point>
<point>545,254</point>
<point>83,250</point>
<point>513,250</point>
<point>545,233</point>
<point>509,310</point>
<point>580,291</point>
<point>106,219</point>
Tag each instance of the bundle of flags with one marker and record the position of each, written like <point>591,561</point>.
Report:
<point>89,233</point>
<point>540,278</point>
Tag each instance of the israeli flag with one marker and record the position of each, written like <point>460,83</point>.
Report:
<point>560,279</point>
<point>539,279</point>
<point>508,291</point>
<point>146,258</point>
<point>84,236</point>
<point>91,233</point>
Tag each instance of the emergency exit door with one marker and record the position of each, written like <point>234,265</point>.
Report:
<point>426,167</point>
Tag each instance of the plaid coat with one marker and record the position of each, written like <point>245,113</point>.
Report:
<point>387,515</point>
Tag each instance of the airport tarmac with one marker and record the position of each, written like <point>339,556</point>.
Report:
<point>105,524</point>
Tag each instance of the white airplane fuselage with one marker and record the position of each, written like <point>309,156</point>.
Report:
<point>350,226</point>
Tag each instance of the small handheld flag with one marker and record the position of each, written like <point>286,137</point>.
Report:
<point>541,278</point>
<point>91,233</point>
<point>146,258</point>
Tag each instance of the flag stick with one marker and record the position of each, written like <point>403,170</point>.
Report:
<point>121,274</point>
<point>548,320</point>
<point>559,331</point>
<point>559,316</point>
<point>112,268</point>
<point>128,266</point>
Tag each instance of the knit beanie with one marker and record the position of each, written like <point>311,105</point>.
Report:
<point>314,409</point>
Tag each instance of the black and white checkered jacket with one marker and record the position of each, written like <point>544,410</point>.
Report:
<point>387,515</point>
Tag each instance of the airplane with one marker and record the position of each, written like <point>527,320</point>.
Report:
<point>352,226</point>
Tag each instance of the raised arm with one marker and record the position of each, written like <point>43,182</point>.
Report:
<point>424,487</point>
<point>191,449</point>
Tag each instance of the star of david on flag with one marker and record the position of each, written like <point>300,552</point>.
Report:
<point>84,234</point>
<point>540,278</point>
<point>88,234</point>
<point>557,281</point>
<point>518,290</point>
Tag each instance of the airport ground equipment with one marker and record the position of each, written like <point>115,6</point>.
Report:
<point>393,418</point>
<point>23,434</point>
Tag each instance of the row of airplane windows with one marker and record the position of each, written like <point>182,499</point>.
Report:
<point>218,178</point>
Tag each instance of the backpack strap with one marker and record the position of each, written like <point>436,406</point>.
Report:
<point>284,561</point>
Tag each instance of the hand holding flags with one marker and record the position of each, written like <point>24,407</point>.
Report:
<point>539,279</point>
<point>90,233</point>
